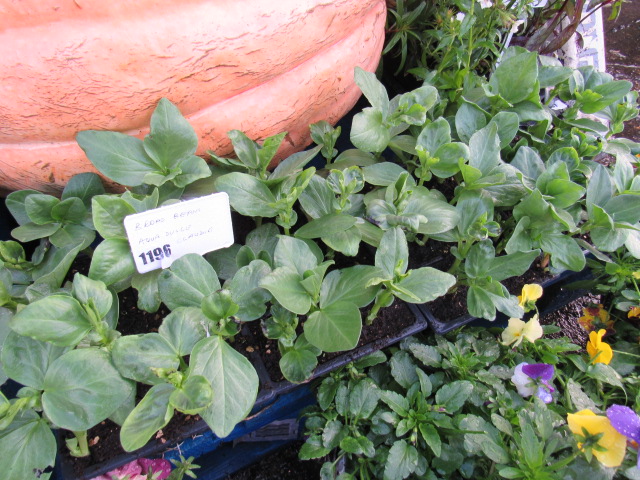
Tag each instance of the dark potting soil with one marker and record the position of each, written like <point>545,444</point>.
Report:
<point>283,464</point>
<point>567,319</point>
<point>388,323</point>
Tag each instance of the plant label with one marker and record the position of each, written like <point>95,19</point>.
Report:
<point>160,236</point>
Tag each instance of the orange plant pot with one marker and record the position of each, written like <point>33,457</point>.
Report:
<point>259,66</point>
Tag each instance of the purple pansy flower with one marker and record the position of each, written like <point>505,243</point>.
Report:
<point>626,422</point>
<point>535,379</point>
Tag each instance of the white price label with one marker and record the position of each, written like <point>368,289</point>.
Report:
<point>160,236</point>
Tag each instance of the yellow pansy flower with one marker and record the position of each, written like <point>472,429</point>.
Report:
<point>530,293</point>
<point>634,312</point>
<point>517,330</point>
<point>611,446</point>
<point>595,317</point>
<point>599,351</point>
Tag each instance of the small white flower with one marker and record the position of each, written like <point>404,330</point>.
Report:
<point>460,16</point>
<point>516,25</point>
<point>485,4</point>
<point>539,3</point>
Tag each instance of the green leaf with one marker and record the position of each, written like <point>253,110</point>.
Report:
<point>600,188</point>
<point>172,138</point>
<point>55,265</point>
<point>363,398</point>
<point>349,285</point>
<point>510,265</point>
<point>607,93</point>
<point>453,395</point>
<point>73,383</point>
<point>516,77</point>
<point>247,293</point>
<point>373,90</point>
<point>425,284</point>
<point>565,252</point>
<point>401,462</point>
<point>396,402</point>
<point>552,75</point>
<point>28,447</point>
<point>86,290</point>
<point>120,157</point>
<point>247,195</point>
<point>347,241</point>
<point>219,305</point>
<point>224,260</point>
<point>393,252</point>
<point>26,360</point>
<point>624,208</point>
<point>484,147</point>
<point>233,379</point>
<point>39,208</point>
<point>431,436</point>
<point>508,124</point>
<point>604,373</point>
<point>434,135</point>
<point>426,354</point>
<point>383,173</point>
<point>403,370</point>
<point>150,415</point>
<point>469,119</point>
<point>15,204</point>
<point>112,261</point>
<point>58,319</point>
<point>30,231</point>
<point>449,157</point>
<point>284,284</point>
<point>448,462</point>
<point>313,448</point>
<point>511,472</point>
<point>298,364</point>
<point>147,286</point>
<point>182,328</point>
<point>317,199</point>
<point>84,186</point>
<point>108,215</point>
<point>579,398</point>
<point>71,235</point>
<point>327,392</point>
<point>295,254</point>
<point>333,433</point>
<point>335,327</point>
<point>71,210</point>
<point>136,355</point>
<point>193,396</point>
<point>326,225</point>
<point>187,282</point>
<point>294,163</point>
<point>193,168</point>
<point>369,132</point>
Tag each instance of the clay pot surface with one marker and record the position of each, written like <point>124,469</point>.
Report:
<point>259,66</point>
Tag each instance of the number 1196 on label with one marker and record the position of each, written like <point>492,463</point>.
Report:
<point>155,254</point>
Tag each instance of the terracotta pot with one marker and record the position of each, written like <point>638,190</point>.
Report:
<point>258,66</point>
